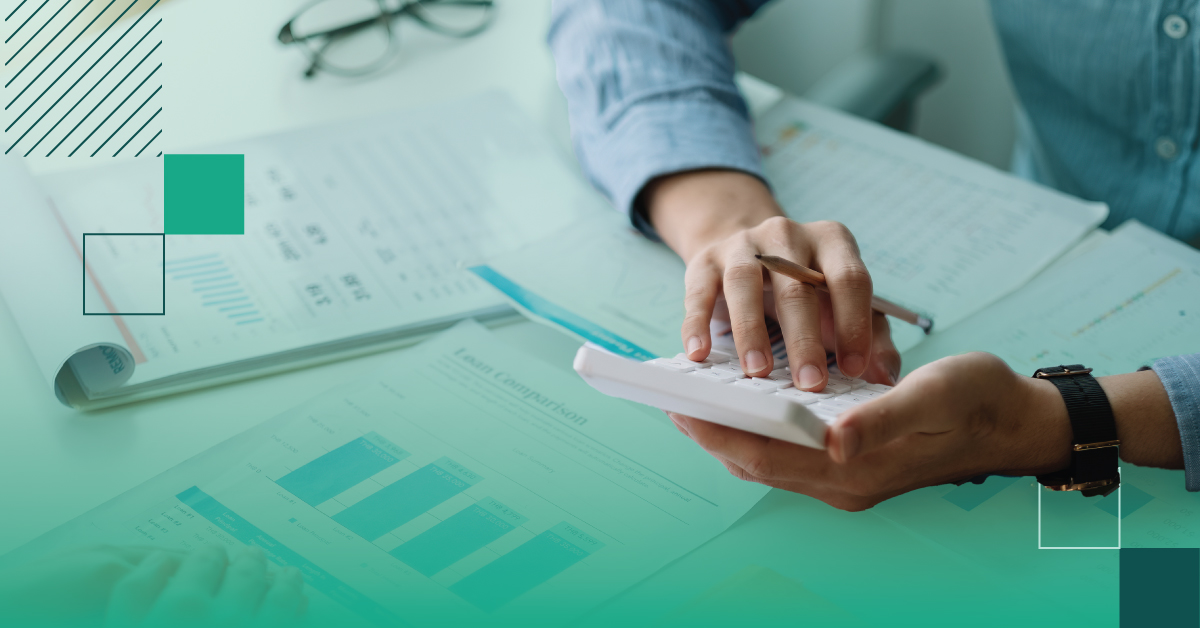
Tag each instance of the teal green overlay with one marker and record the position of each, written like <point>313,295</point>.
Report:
<point>204,194</point>
<point>1160,588</point>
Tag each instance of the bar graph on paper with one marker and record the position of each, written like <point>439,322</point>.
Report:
<point>344,484</point>
<point>215,288</point>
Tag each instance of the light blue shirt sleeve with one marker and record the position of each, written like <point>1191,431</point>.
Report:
<point>1180,375</point>
<point>650,91</point>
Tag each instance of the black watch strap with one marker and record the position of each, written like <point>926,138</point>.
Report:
<point>1093,468</point>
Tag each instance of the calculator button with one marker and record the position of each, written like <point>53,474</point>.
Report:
<point>847,381</point>
<point>718,356</point>
<point>801,396</point>
<point>836,388</point>
<point>879,388</point>
<point>758,384</point>
<point>700,365</point>
<point>678,366</point>
<point>732,367</point>
<point>863,395</point>
<point>713,375</point>
<point>783,377</point>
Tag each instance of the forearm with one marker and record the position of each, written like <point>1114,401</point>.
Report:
<point>1145,422</point>
<point>649,88</point>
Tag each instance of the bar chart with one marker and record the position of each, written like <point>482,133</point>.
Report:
<point>465,532</point>
<point>536,561</point>
<point>216,286</point>
<point>403,500</point>
<point>323,478</point>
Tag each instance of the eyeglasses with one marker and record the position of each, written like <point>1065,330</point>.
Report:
<point>356,37</point>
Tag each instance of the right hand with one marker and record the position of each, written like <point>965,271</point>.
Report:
<point>717,221</point>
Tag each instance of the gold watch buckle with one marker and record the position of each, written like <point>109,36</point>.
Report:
<point>1099,445</point>
<point>1064,373</point>
<point>1082,486</point>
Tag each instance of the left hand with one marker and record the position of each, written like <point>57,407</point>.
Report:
<point>948,421</point>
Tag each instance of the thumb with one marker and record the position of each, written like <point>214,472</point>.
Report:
<point>870,426</point>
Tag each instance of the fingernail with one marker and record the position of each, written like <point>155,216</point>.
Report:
<point>810,376</point>
<point>678,425</point>
<point>848,436</point>
<point>693,344</point>
<point>854,365</point>
<point>755,361</point>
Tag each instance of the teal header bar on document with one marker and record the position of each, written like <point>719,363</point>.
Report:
<point>542,308</point>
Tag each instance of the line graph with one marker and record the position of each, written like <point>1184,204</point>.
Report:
<point>1127,303</point>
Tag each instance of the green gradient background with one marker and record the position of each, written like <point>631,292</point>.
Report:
<point>921,559</point>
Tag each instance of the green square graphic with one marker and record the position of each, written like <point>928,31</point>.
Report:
<point>204,194</point>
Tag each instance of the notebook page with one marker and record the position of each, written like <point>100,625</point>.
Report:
<point>351,230</point>
<point>940,233</point>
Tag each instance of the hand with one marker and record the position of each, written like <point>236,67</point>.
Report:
<point>949,420</point>
<point>207,588</point>
<point>67,588</point>
<point>717,221</point>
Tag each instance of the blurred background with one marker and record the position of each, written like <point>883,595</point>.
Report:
<point>796,43</point>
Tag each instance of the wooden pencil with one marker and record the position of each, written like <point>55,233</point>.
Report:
<point>816,279</point>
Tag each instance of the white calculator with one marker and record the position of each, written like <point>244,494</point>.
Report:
<point>717,390</point>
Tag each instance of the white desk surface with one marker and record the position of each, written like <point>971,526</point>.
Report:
<point>229,79</point>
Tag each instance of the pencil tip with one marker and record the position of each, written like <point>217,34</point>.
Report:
<point>757,257</point>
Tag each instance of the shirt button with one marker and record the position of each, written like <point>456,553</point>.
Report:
<point>1175,27</point>
<point>1166,148</point>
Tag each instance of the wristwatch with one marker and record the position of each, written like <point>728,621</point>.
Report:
<point>1093,468</point>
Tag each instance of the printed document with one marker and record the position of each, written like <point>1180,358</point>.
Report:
<point>470,485</point>
<point>353,238</point>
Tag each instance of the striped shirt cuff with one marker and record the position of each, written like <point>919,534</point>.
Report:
<point>1180,375</point>
<point>659,138</point>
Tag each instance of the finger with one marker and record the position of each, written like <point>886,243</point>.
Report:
<point>284,601</point>
<point>133,595</point>
<point>743,286</point>
<point>850,294</point>
<point>761,457</point>
<point>244,585</point>
<point>702,283</point>
<point>201,572</point>
<point>884,365</point>
<point>902,411</point>
<point>678,420</point>
<point>799,310</point>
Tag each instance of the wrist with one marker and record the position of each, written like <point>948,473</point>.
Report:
<point>1146,422</point>
<point>692,210</point>
<point>1043,440</point>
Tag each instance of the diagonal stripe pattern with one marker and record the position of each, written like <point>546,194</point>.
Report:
<point>81,78</point>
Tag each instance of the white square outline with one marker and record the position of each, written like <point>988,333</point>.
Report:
<point>1039,523</point>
